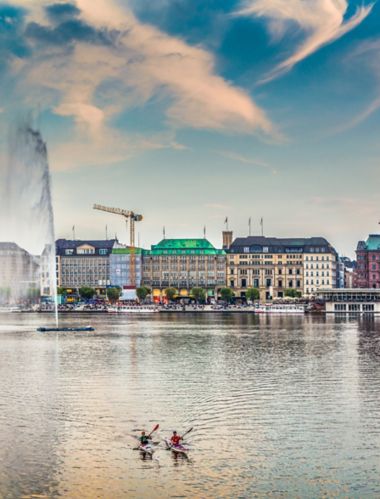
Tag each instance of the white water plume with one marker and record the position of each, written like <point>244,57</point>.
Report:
<point>27,214</point>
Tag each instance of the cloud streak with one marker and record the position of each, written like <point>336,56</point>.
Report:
<point>94,60</point>
<point>320,21</point>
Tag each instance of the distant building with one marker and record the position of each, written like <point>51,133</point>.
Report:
<point>273,265</point>
<point>84,263</point>
<point>122,267</point>
<point>184,264</point>
<point>345,268</point>
<point>19,273</point>
<point>367,272</point>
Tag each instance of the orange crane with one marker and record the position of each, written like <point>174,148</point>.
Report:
<point>130,217</point>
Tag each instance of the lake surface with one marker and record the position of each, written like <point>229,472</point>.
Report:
<point>282,407</point>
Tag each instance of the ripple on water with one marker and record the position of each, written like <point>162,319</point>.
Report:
<point>281,407</point>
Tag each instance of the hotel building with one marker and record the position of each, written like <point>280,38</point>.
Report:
<point>184,264</point>
<point>273,265</point>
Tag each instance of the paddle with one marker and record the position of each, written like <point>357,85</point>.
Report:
<point>187,432</point>
<point>154,429</point>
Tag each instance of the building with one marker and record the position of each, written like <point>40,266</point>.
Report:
<point>184,264</point>
<point>350,301</point>
<point>345,268</point>
<point>19,274</point>
<point>125,261</point>
<point>84,263</point>
<point>274,265</point>
<point>367,271</point>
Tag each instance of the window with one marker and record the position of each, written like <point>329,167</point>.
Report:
<point>268,283</point>
<point>69,252</point>
<point>298,283</point>
<point>244,283</point>
<point>290,271</point>
<point>339,307</point>
<point>102,251</point>
<point>290,284</point>
<point>256,283</point>
<point>280,284</point>
<point>279,271</point>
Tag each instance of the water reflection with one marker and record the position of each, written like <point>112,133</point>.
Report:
<point>281,407</point>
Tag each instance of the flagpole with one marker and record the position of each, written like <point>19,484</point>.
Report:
<point>250,226</point>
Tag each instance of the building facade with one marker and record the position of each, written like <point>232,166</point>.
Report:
<point>184,264</point>
<point>273,265</point>
<point>367,271</point>
<point>19,274</point>
<point>125,262</point>
<point>83,263</point>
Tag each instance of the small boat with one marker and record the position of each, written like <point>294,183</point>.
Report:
<point>280,308</point>
<point>132,310</point>
<point>147,449</point>
<point>177,449</point>
<point>65,329</point>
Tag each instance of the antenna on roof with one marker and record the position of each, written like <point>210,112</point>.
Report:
<point>73,230</point>
<point>250,226</point>
<point>262,226</point>
<point>164,232</point>
<point>204,232</point>
<point>226,223</point>
<point>106,233</point>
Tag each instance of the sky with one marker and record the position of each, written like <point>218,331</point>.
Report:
<point>191,111</point>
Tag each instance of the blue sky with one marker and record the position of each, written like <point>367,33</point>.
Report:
<point>189,111</point>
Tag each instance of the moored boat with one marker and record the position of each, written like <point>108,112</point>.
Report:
<point>280,308</point>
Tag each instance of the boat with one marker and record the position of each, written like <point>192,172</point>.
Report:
<point>177,449</point>
<point>125,309</point>
<point>65,329</point>
<point>147,449</point>
<point>280,308</point>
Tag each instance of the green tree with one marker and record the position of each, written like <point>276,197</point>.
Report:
<point>113,294</point>
<point>86,293</point>
<point>61,291</point>
<point>199,295</point>
<point>227,294</point>
<point>171,293</point>
<point>292,293</point>
<point>142,293</point>
<point>252,294</point>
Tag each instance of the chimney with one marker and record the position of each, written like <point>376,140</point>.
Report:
<point>227,239</point>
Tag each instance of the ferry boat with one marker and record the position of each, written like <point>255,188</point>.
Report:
<point>132,309</point>
<point>280,308</point>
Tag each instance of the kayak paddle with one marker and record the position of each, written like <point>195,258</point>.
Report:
<point>188,431</point>
<point>154,429</point>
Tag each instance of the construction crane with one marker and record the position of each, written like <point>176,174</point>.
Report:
<point>130,217</point>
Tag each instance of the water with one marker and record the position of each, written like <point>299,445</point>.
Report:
<point>26,207</point>
<point>282,407</point>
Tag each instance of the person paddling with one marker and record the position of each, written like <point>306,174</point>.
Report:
<point>175,439</point>
<point>144,439</point>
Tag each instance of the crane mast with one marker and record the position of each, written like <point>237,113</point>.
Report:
<point>132,218</point>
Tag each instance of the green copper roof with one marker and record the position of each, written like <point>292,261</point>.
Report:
<point>183,247</point>
<point>126,251</point>
<point>373,242</point>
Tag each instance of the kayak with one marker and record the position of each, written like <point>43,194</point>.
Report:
<point>147,449</point>
<point>64,329</point>
<point>178,449</point>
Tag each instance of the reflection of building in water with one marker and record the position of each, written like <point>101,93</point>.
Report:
<point>352,301</point>
<point>19,273</point>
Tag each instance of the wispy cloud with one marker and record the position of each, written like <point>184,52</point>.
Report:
<point>92,61</point>
<point>321,22</point>
<point>234,156</point>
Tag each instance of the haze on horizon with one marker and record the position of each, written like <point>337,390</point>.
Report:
<point>188,111</point>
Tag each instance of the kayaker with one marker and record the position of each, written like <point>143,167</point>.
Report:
<point>175,439</point>
<point>144,440</point>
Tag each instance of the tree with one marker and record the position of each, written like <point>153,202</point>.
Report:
<point>113,294</point>
<point>292,293</point>
<point>142,293</point>
<point>227,294</point>
<point>171,293</point>
<point>199,295</point>
<point>252,294</point>
<point>61,291</point>
<point>86,293</point>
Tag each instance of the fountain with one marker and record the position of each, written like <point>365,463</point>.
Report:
<point>27,255</point>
